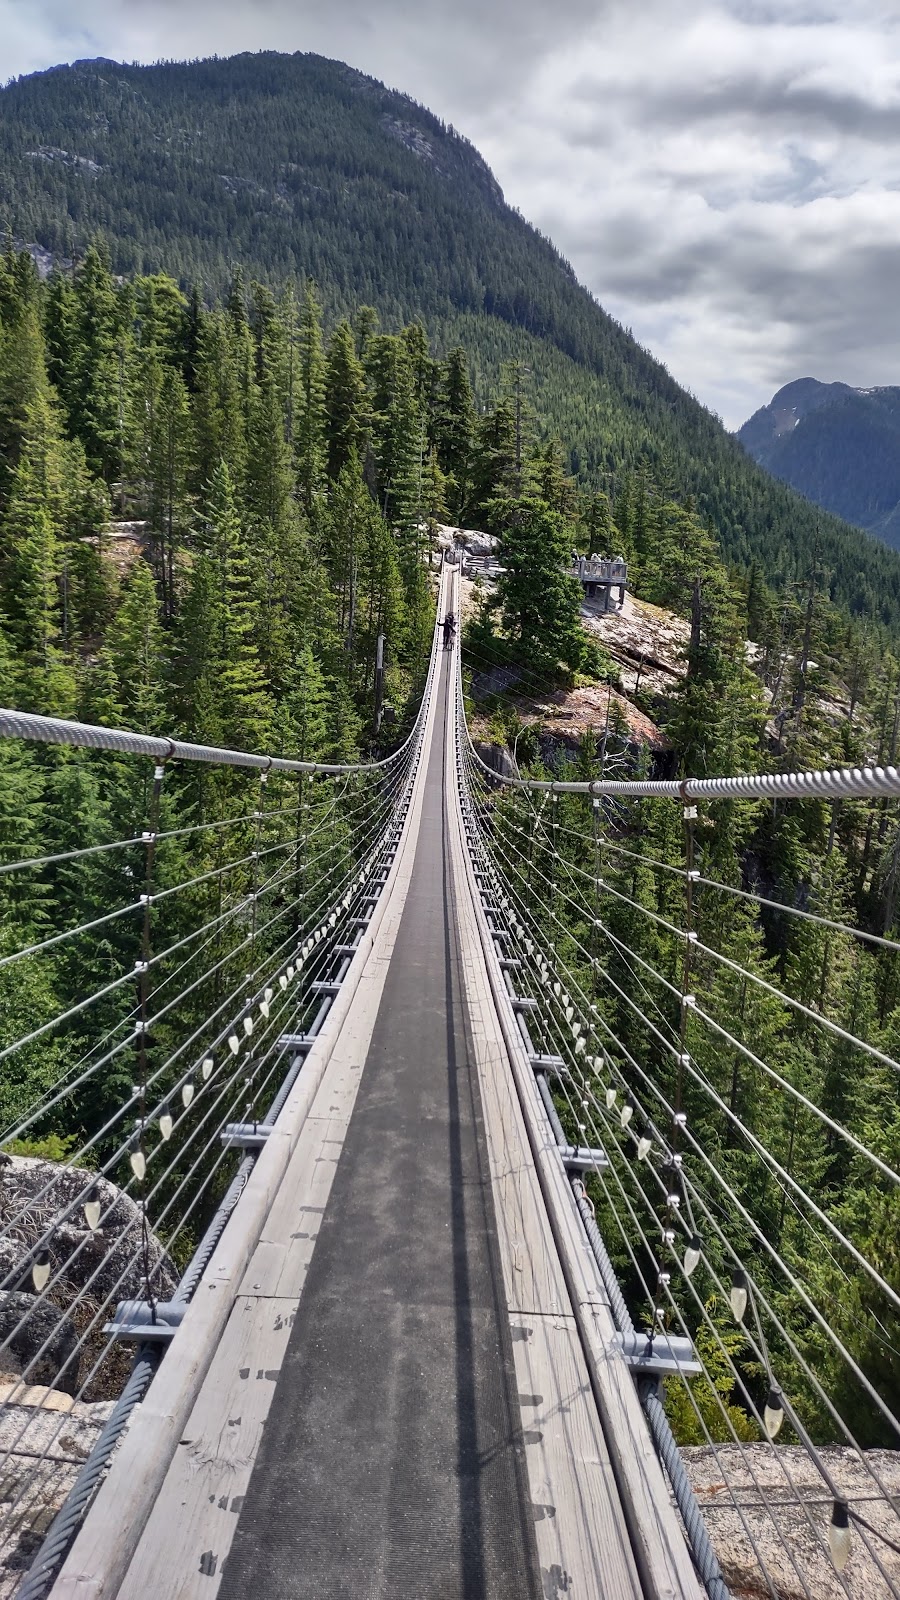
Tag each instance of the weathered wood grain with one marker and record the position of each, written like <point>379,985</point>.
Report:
<point>191,1526</point>
<point>582,1539</point>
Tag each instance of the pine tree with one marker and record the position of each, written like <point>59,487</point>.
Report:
<point>718,711</point>
<point>346,401</point>
<point>552,485</point>
<point>350,511</point>
<point>96,390</point>
<point>382,602</point>
<point>222,689</point>
<point>604,538</point>
<point>399,445</point>
<point>220,406</point>
<point>494,472</point>
<point>131,672</point>
<point>310,440</point>
<point>454,430</point>
<point>30,595</point>
<point>170,456</point>
<point>303,715</point>
<point>269,483</point>
<point>434,497</point>
<point>60,334</point>
<point>538,599</point>
<point>365,327</point>
<point>23,383</point>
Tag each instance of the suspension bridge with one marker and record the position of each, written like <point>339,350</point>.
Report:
<point>392,1248</point>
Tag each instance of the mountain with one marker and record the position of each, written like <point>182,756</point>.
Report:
<point>838,446</point>
<point>300,165</point>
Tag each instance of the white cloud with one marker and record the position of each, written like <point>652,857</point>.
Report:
<point>722,174</point>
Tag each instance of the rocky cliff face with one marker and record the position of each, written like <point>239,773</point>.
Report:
<point>839,446</point>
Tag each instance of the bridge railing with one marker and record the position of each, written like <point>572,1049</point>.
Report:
<point>168,953</point>
<point>722,1075</point>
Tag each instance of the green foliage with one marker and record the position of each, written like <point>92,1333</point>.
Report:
<point>53,1147</point>
<point>236,599</point>
<point>328,176</point>
<point>538,600</point>
<point>695,1411</point>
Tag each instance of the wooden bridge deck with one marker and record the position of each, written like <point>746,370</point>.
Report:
<point>383,1386</point>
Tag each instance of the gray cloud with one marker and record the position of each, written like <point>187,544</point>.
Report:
<point>752,99</point>
<point>723,174</point>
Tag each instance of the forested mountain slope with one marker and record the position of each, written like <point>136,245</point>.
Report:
<point>295,165</point>
<point>838,446</point>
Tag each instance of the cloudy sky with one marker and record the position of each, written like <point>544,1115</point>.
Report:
<point>723,174</point>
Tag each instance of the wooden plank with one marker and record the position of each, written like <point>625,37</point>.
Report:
<point>281,1260</point>
<point>656,1532</point>
<point>533,1279</point>
<point>191,1526</point>
<point>582,1539</point>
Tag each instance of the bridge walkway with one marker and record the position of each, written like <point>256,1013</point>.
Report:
<point>399,1402</point>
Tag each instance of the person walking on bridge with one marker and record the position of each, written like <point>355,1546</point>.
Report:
<point>449,630</point>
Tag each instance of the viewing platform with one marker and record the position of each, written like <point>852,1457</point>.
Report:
<point>603,578</point>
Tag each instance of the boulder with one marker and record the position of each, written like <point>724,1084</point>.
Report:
<point>90,1271</point>
<point>36,1336</point>
<point>498,758</point>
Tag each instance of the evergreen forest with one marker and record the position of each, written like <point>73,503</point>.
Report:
<point>298,167</point>
<point>215,496</point>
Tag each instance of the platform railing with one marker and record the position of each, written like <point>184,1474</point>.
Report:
<point>724,1061</point>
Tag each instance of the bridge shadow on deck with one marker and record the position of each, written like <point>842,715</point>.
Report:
<point>392,1461</point>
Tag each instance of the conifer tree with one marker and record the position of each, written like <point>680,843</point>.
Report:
<point>311,445</point>
<point>96,392</point>
<point>382,603</point>
<point>718,710</point>
<point>131,673</point>
<point>346,401</point>
<point>494,474</point>
<point>220,408</point>
<point>59,335</point>
<point>349,514</point>
<point>399,446</point>
<point>30,595</point>
<point>434,496</point>
<point>551,482</point>
<point>365,327</point>
<point>604,538</point>
<point>23,383</point>
<point>303,715</point>
<point>222,688</point>
<point>269,483</point>
<point>539,601</point>
<point>424,370</point>
<point>454,430</point>
<point>170,457</point>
